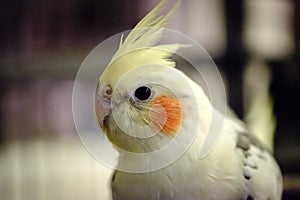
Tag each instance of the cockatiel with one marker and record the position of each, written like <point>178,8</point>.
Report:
<point>142,107</point>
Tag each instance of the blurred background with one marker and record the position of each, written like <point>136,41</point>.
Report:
<point>42,44</point>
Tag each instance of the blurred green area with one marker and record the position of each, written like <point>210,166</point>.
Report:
<point>51,169</point>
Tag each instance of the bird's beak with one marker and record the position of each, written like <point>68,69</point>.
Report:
<point>103,110</point>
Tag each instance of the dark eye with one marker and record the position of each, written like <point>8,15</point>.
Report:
<point>142,93</point>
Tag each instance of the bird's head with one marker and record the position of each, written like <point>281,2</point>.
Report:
<point>143,102</point>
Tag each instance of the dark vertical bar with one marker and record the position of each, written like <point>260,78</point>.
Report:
<point>11,16</point>
<point>297,28</point>
<point>234,21</point>
<point>3,89</point>
<point>284,90</point>
<point>10,29</point>
<point>235,56</point>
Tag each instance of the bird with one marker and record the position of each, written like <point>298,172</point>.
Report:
<point>143,103</point>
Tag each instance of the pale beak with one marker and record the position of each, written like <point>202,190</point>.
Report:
<point>103,110</point>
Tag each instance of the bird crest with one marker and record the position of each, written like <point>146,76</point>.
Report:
<point>140,46</point>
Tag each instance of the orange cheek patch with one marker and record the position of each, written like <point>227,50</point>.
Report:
<point>173,112</point>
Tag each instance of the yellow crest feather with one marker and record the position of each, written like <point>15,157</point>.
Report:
<point>139,47</point>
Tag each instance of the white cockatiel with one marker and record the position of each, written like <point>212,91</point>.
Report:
<point>238,167</point>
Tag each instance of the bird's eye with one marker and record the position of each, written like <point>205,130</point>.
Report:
<point>142,93</point>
